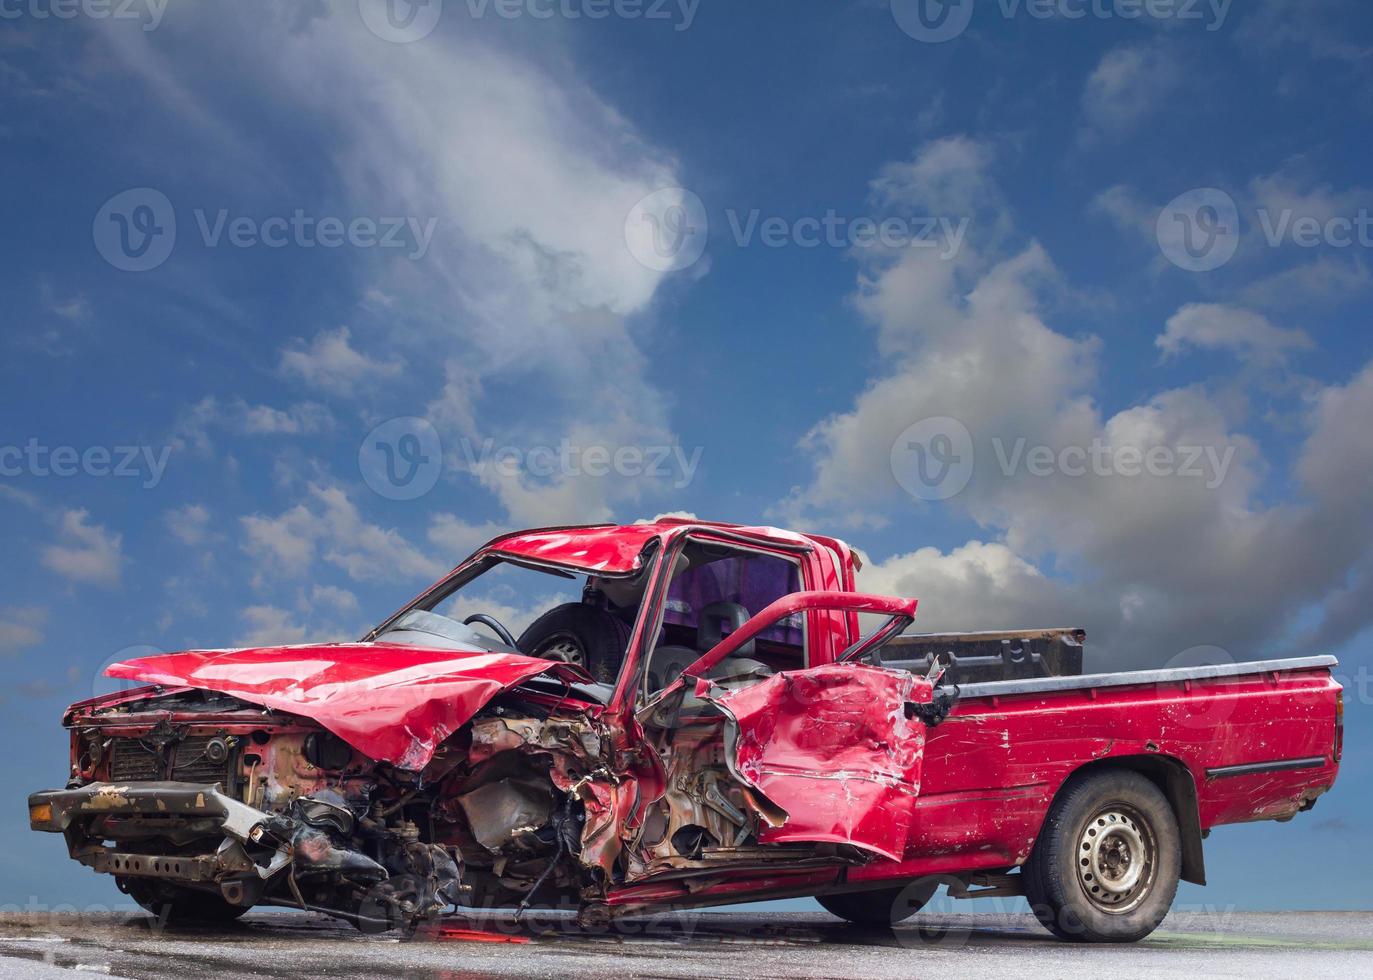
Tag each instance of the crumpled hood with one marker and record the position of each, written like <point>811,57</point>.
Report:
<point>392,702</point>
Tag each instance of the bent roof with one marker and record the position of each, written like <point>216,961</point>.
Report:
<point>617,549</point>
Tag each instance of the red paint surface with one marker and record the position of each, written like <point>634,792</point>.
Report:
<point>618,549</point>
<point>394,703</point>
<point>833,748</point>
<point>992,769</point>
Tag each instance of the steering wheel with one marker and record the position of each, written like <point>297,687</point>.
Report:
<point>495,626</point>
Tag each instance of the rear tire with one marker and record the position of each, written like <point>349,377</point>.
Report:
<point>881,908</point>
<point>576,633</point>
<point>1106,865</point>
<point>180,906</point>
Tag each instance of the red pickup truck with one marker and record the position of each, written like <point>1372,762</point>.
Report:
<point>701,721</point>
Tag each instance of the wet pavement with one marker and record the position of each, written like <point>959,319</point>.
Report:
<point>750,945</point>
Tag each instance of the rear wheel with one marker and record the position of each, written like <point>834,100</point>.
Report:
<point>1106,865</point>
<point>882,907</point>
<point>180,906</point>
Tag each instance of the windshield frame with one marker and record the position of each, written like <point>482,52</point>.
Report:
<point>487,559</point>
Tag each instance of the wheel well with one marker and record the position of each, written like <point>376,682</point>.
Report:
<point>1174,779</point>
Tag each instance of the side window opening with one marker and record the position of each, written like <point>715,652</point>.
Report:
<point>713,591</point>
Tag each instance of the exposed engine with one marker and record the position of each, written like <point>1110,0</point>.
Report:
<point>250,806</point>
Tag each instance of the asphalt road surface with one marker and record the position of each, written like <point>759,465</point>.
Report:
<point>752,946</point>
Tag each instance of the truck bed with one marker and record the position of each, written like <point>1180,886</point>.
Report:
<point>1229,743</point>
<point>990,656</point>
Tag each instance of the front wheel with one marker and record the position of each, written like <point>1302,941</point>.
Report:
<point>883,907</point>
<point>180,906</point>
<point>1106,865</point>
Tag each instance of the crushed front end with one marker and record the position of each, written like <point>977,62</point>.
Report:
<point>203,805</point>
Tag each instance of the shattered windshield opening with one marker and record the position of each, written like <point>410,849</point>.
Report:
<point>504,605</point>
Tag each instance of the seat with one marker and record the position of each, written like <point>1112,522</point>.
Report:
<point>710,632</point>
<point>668,662</point>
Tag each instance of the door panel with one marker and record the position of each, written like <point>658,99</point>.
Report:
<point>833,750</point>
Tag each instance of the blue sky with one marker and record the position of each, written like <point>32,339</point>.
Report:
<point>756,262</point>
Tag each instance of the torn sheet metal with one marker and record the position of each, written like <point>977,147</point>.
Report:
<point>393,703</point>
<point>832,747</point>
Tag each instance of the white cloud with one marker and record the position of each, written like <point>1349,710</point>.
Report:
<point>286,541</point>
<point>684,515</point>
<point>1152,564</point>
<point>330,361</point>
<point>528,280</point>
<point>315,619</point>
<point>954,589</point>
<point>270,626</point>
<point>456,539</point>
<point>1124,207</point>
<point>454,410</point>
<point>1322,29</point>
<point>1324,281</point>
<point>21,627</point>
<point>1273,209</point>
<point>340,600</point>
<point>189,524</point>
<point>72,308</point>
<point>85,552</point>
<point>950,173</point>
<point>306,418</point>
<point>986,358</point>
<point>194,428</point>
<point>329,527</point>
<point>1287,190</point>
<point>1211,326</point>
<point>1126,87</point>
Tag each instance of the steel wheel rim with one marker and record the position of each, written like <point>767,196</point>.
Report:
<point>563,648</point>
<point>1116,859</point>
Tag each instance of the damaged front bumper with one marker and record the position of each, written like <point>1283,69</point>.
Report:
<point>89,816</point>
<point>208,841</point>
<point>56,810</point>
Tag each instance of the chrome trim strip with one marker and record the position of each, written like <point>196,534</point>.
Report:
<point>1252,768</point>
<point>1136,678</point>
